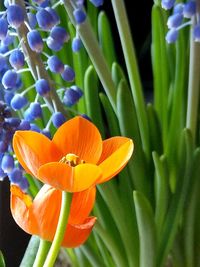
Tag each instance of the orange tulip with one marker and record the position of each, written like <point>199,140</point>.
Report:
<point>75,159</point>
<point>40,216</point>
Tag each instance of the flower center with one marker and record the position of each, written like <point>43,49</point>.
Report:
<point>72,160</point>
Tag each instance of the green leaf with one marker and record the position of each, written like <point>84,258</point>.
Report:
<point>2,262</point>
<point>129,127</point>
<point>91,85</point>
<point>117,73</point>
<point>30,253</point>
<point>106,38</point>
<point>147,230</point>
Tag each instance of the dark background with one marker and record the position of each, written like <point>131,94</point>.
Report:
<point>13,240</point>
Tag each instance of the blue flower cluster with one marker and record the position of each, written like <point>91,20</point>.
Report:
<point>183,14</point>
<point>17,112</point>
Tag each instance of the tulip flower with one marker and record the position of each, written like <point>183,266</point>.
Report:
<point>75,159</point>
<point>40,216</point>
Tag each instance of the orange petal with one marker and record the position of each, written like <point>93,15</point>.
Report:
<point>71,179</point>
<point>80,137</point>
<point>77,234</point>
<point>33,150</point>
<point>21,211</point>
<point>81,206</point>
<point>116,153</point>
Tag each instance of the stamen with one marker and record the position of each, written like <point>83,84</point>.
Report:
<point>72,160</point>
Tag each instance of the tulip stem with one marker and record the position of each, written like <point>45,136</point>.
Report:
<point>60,231</point>
<point>42,253</point>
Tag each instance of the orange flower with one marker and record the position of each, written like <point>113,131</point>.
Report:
<point>75,159</point>
<point>40,216</point>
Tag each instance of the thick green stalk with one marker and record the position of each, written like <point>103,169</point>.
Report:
<point>60,231</point>
<point>42,253</point>
<point>90,42</point>
<point>194,84</point>
<point>132,68</point>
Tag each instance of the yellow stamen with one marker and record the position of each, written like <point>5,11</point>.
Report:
<point>16,191</point>
<point>72,160</point>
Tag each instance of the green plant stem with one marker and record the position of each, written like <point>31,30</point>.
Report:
<point>91,45</point>
<point>42,253</point>
<point>193,86</point>
<point>132,68</point>
<point>60,231</point>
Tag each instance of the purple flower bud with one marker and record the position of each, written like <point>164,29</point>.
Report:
<point>196,33</point>
<point>15,176</point>
<point>56,18</point>
<point>35,41</point>
<point>174,21</point>
<point>35,128</point>
<point>46,133</point>
<point>3,28</point>
<point>8,97</point>
<point>8,40</point>
<point>15,15</point>
<point>44,19</point>
<point>172,36</point>
<point>7,112</point>
<point>167,4</point>
<point>42,87</point>
<point>14,121</point>
<point>86,117</point>
<point>16,59</point>
<point>178,8</point>
<point>71,97</point>
<point>78,90</point>
<point>35,110</point>
<point>3,146</point>
<point>39,2</point>
<point>28,116</point>
<point>7,163</point>
<point>2,175</point>
<point>3,62</point>
<point>97,3</point>
<point>45,3</point>
<point>9,79</point>
<point>68,74</point>
<point>54,44</point>
<point>32,20</point>
<point>58,119</point>
<point>18,102</point>
<point>24,125</point>
<point>24,184</point>
<point>79,15</point>
<point>189,9</point>
<point>76,44</point>
<point>59,34</point>
<point>55,64</point>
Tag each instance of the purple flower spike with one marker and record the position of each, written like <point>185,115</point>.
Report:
<point>42,87</point>
<point>9,79</point>
<point>44,19</point>
<point>174,21</point>
<point>68,74</point>
<point>79,15</point>
<point>16,59</point>
<point>55,64</point>
<point>196,33</point>
<point>71,97</point>
<point>32,20</point>
<point>15,15</point>
<point>35,110</point>
<point>35,41</point>
<point>56,18</point>
<point>59,34</point>
<point>3,28</point>
<point>15,176</point>
<point>53,44</point>
<point>7,163</point>
<point>58,119</point>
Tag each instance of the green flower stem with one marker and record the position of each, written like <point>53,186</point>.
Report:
<point>36,64</point>
<point>60,231</point>
<point>132,68</point>
<point>194,85</point>
<point>42,253</point>
<point>91,45</point>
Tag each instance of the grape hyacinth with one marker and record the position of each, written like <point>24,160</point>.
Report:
<point>183,14</point>
<point>31,98</point>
